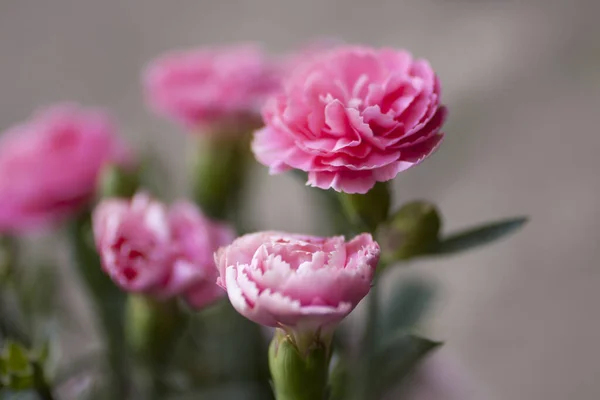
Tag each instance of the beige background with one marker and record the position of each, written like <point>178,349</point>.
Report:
<point>522,82</point>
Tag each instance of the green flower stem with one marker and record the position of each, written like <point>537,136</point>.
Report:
<point>153,330</point>
<point>108,300</point>
<point>367,212</point>
<point>42,387</point>
<point>220,166</point>
<point>369,343</point>
<point>221,163</point>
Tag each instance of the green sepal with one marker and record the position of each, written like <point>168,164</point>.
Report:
<point>296,374</point>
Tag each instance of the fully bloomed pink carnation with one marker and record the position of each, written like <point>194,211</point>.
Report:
<point>353,117</point>
<point>304,284</point>
<point>49,165</point>
<point>147,248</point>
<point>209,86</point>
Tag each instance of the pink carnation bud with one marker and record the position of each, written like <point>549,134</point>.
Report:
<point>303,284</point>
<point>49,165</point>
<point>163,252</point>
<point>352,117</point>
<point>210,86</point>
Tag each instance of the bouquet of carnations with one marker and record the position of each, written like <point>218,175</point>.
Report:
<point>190,302</point>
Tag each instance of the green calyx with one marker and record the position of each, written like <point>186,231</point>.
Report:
<point>367,211</point>
<point>298,374</point>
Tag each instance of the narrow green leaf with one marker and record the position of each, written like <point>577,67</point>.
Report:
<point>396,359</point>
<point>478,236</point>
<point>409,302</point>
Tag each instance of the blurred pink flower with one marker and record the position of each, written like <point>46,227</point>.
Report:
<point>207,86</point>
<point>303,284</point>
<point>352,117</point>
<point>147,248</point>
<point>49,165</point>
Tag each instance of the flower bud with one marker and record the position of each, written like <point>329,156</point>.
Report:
<point>303,284</point>
<point>160,251</point>
<point>298,374</point>
<point>370,209</point>
<point>412,231</point>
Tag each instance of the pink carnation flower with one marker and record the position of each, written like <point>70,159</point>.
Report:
<point>353,117</point>
<point>149,249</point>
<point>49,165</point>
<point>210,86</point>
<point>303,284</point>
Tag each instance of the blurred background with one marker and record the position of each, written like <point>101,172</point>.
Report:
<point>522,82</point>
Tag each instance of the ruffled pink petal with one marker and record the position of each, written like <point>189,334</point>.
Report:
<point>351,117</point>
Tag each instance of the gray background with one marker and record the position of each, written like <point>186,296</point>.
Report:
<point>522,82</point>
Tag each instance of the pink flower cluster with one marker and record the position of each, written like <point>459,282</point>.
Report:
<point>163,252</point>
<point>49,165</point>
<point>304,284</point>
<point>352,117</point>
<point>208,86</point>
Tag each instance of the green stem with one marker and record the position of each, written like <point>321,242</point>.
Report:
<point>219,173</point>
<point>42,388</point>
<point>153,330</point>
<point>220,168</point>
<point>108,300</point>
<point>370,339</point>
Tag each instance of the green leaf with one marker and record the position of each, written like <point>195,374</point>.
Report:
<point>16,370</point>
<point>409,302</point>
<point>478,236</point>
<point>21,381</point>
<point>15,357</point>
<point>396,359</point>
